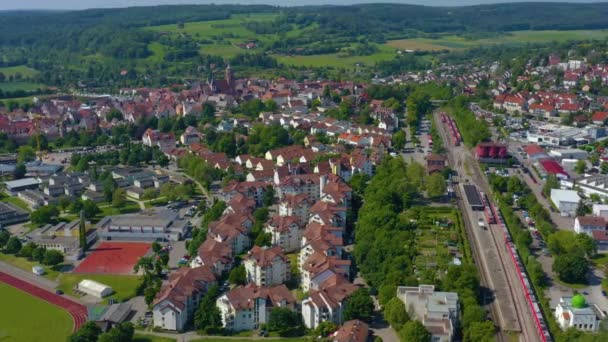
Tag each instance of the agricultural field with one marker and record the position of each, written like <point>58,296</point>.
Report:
<point>31,319</point>
<point>452,42</point>
<point>339,59</point>
<point>21,69</point>
<point>123,285</point>
<point>14,86</point>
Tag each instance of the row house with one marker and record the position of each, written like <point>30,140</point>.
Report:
<point>247,307</point>
<point>327,303</point>
<point>216,255</point>
<point>285,232</point>
<point>232,229</point>
<point>267,266</point>
<point>174,305</point>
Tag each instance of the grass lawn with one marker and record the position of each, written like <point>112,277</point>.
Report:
<point>109,210</point>
<point>27,265</point>
<point>572,286</point>
<point>4,197</point>
<point>31,319</point>
<point>600,260</point>
<point>384,53</point>
<point>124,285</point>
<point>20,69</point>
<point>151,338</point>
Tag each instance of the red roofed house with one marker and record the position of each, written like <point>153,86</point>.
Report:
<point>352,331</point>
<point>600,118</point>
<point>165,141</point>
<point>551,167</point>
<point>177,300</point>
<point>267,266</point>
<point>246,307</point>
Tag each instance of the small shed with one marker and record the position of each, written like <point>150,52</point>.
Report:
<point>94,288</point>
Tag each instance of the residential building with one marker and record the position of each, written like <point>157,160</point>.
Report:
<point>352,331</point>
<point>214,254</point>
<point>178,299</point>
<point>566,201</point>
<point>267,266</point>
<point>327,303</point>
<point>438,311</point>
<point>589,224</point>
<point>246,307</point>
<point>285,232</point>
<point>575,312</point>
<point>165,141</point>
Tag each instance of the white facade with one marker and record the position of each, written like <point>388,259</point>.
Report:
<point>242,319</point>
<point>585,318</point>
<point>588,224</point>
<point>274,274</point>
<point>168,316</point>
<point>318,308</point>
<point>566,201</point>
<point>600,210</point>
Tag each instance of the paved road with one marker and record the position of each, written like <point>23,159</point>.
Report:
<point>509,309</point>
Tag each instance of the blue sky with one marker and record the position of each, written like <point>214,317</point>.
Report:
<point>82,4</point>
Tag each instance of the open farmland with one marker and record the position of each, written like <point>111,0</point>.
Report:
<point>31,319</point>
<point>20,69</point>
<point>453,42</point>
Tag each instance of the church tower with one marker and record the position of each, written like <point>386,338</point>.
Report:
<point>229,76</point>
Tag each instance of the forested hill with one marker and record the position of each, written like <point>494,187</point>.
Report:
<point>20,27</point>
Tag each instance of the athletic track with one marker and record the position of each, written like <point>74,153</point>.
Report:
<point>77,311</point>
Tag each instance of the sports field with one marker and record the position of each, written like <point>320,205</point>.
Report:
<point>113,258</point>
<point>451,42</point>
<point>26,318</point>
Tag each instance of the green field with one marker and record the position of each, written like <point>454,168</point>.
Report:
<point>14,200</point>
<point>13,86</point>
<point>26,318</point>
<point>21,69</point>
<point>339,59</point>
<point>123,285</point>
<point>451,42</point>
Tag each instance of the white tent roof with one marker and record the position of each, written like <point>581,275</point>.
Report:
<point>93,285</point>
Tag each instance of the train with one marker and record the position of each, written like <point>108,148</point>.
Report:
<point>488,211</point>
<point>539,320</point>
<point>455,137</point>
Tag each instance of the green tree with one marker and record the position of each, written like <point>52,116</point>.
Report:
<point>89,332</point>
<point>399,140</point>
<point>25,154</point>
<point>414,331</point>
<point>28,250</point>
<point>435,185</point>
<point>90,209</point>
<point>416,175</point>
<point>238,275</point>
<point>4,236</point>
<point>550,183</point>
<point>207,316</point>
<point>38,254</point>
<point>571,268</point>
<point>480,331</point>
<point>122,333</point>
<point>285,321</point>
<point>359,306</point>
<point>395,313</point>
<point>13,246</point>
<point>19,171</point>
<point>580,167</point>
<point>604,167</point>
<point>44,214</point>
<point>52,257</point>
<point>325,328</point>
<point>119,198</point>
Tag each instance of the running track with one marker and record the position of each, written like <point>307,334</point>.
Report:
<point>77,311</point>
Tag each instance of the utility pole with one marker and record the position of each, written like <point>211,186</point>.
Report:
<point>82,233</point>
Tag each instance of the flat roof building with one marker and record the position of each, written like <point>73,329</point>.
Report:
<point>473,197</point>
<point>15,186</point>
<point>64,237</point>
<point>147,225</point>
<point>11,214</point>
<point>438,311</point>
<point>566,201</point>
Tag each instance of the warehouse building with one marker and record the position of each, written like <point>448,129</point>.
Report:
<point>148,225</point>
<point>15,186</point>
<point>11,214</point>
<point>566,201</point>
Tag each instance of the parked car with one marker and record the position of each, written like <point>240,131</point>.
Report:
<point>58,292</point>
